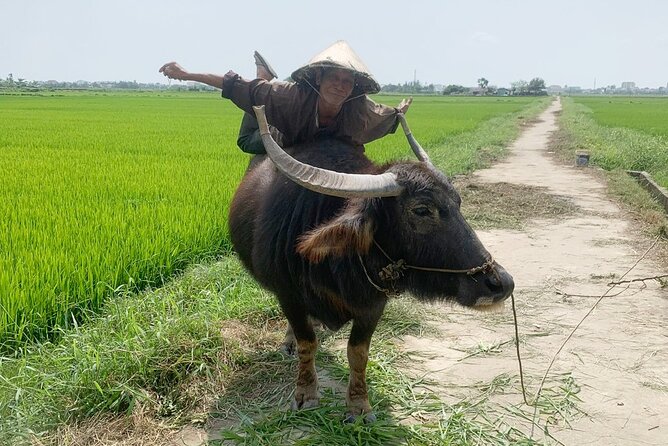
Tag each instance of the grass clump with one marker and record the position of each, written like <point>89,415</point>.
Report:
<point>148,349</point>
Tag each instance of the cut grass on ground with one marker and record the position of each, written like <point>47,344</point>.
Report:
<point>509,206</point>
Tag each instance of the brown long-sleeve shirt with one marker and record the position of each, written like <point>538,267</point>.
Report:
<point>291,108</point>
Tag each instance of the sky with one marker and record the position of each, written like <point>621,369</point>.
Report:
<point>583,43</point>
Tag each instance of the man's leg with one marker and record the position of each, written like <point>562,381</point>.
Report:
<point>249,139</point>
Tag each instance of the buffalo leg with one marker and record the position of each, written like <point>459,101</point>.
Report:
<point>357,397</point>
<point>288,345</point>
<point>306,392</point>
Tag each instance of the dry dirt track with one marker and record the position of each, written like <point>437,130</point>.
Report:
<point>618,357</point>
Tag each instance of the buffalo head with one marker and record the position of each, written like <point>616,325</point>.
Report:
<point>422,242</point>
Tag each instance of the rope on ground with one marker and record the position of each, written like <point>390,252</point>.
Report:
<point>542,382</point>
<point>517,348</point>
<point>662,276</point>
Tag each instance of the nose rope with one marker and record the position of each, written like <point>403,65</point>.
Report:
<point>400,265</point>
<point>389,293</point>
<point>395,270</point>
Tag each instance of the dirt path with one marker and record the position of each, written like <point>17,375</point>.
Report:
<point>618,358</point>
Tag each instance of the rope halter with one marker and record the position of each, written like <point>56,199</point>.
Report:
<point>395,270</point>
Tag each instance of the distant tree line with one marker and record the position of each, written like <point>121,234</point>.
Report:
<point>410,87</point>
<point>20,84</point>
<point>535,87</point>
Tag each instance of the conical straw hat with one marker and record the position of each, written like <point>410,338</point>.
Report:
<point>339,55</point>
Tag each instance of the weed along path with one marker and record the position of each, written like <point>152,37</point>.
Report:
<point>609,384</point>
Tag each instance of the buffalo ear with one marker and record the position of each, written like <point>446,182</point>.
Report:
<point>349,233</point>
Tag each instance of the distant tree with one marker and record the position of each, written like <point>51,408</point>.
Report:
<point>409,87</point>
<point>454,89</point>
<point>519,88</point>
<point>482,83</point>
<point>9,82</point>
<point>536,87</point>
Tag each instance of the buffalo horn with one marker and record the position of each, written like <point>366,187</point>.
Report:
<point>417,149</point>
<point>325,181</point>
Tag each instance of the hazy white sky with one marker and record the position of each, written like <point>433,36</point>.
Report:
<point>563,41</point>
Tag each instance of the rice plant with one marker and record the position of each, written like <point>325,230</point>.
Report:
<point>621,133</point>
<point>102,192</point>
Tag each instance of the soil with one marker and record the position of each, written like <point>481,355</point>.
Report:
<point>617,358</point>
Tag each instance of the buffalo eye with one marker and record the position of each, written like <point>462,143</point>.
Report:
<point>421,211</point>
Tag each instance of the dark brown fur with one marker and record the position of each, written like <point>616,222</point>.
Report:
<point>306,248</point>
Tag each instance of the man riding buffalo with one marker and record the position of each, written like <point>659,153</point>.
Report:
<point>343,234</point>
<point>328,99</point>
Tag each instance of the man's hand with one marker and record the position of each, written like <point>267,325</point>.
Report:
<point>403,106</point>
<point>174,71</point>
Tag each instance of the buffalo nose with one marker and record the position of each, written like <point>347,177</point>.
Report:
<point>500,284</point>
<point>493,283</point>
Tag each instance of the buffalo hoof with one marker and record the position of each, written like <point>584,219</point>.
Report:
<point>305,403</point>
<point>367,418</point>
<point>288,349</point>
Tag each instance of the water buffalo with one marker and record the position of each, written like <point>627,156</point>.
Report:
<point>333,235</point>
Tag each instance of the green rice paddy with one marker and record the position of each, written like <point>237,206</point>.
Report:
<point>101,192</point>
<point>629,133</point>
<point>648,114</point>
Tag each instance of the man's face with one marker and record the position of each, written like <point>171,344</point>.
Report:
<point>336,85</point>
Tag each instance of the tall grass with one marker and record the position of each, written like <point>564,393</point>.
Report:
<point>621,133</point>
<point>100,192</point>
<point>145,350</point>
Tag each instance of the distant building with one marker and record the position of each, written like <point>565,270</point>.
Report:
<point>502,92</point>
<point>628,85</point>
<point>555,89</point>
